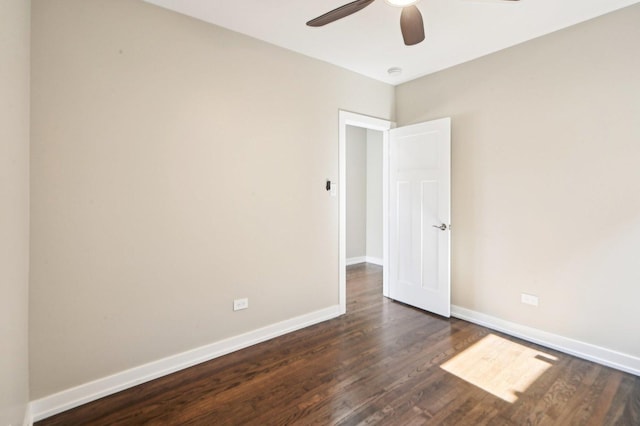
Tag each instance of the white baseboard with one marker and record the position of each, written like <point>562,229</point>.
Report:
<point>374,260</point>
<point>598,354</point>
<point>71,398</point>
<point>356,260</point>
<point>28,416</point>
<point>364,259</point>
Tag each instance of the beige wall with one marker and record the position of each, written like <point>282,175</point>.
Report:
<point>175,166</point>
<point>546,179</point>
<point>356,220</point>
<point>14,209</point>
<point>374,194</point>
<point>364,193</point>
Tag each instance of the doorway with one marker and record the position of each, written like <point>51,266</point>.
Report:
<point>380,127</point>
<point>364,196</point>
<point>421,205</point>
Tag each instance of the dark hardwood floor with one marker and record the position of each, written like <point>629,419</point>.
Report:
<point>381,363</point>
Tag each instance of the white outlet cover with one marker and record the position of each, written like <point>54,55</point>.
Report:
<point>529,299</point>
<point>239,304</point>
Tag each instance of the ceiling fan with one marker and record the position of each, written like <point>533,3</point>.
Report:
<point>411,23</point>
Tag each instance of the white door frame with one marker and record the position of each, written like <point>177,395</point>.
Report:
<point>358,120</point>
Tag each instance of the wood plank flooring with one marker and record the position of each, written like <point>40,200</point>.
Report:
<point>381,363</point>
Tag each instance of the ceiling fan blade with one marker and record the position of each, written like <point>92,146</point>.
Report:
<point>411,25</point>
<point>339,13</point>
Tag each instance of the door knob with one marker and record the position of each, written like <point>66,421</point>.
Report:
<point>442,227</point>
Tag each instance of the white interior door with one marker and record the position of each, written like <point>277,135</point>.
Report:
<point>420,215</point>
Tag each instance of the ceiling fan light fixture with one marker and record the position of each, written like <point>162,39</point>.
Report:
<point>401,3</point>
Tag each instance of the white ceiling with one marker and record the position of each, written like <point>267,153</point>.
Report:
<point>369,42</point>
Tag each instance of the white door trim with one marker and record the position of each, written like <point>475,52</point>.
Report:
<point>359,120</point>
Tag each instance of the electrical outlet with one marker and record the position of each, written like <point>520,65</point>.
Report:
<point>240,304</point>
<point>529,299</point>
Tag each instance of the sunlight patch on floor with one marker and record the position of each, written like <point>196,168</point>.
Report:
<point>499,366</point>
